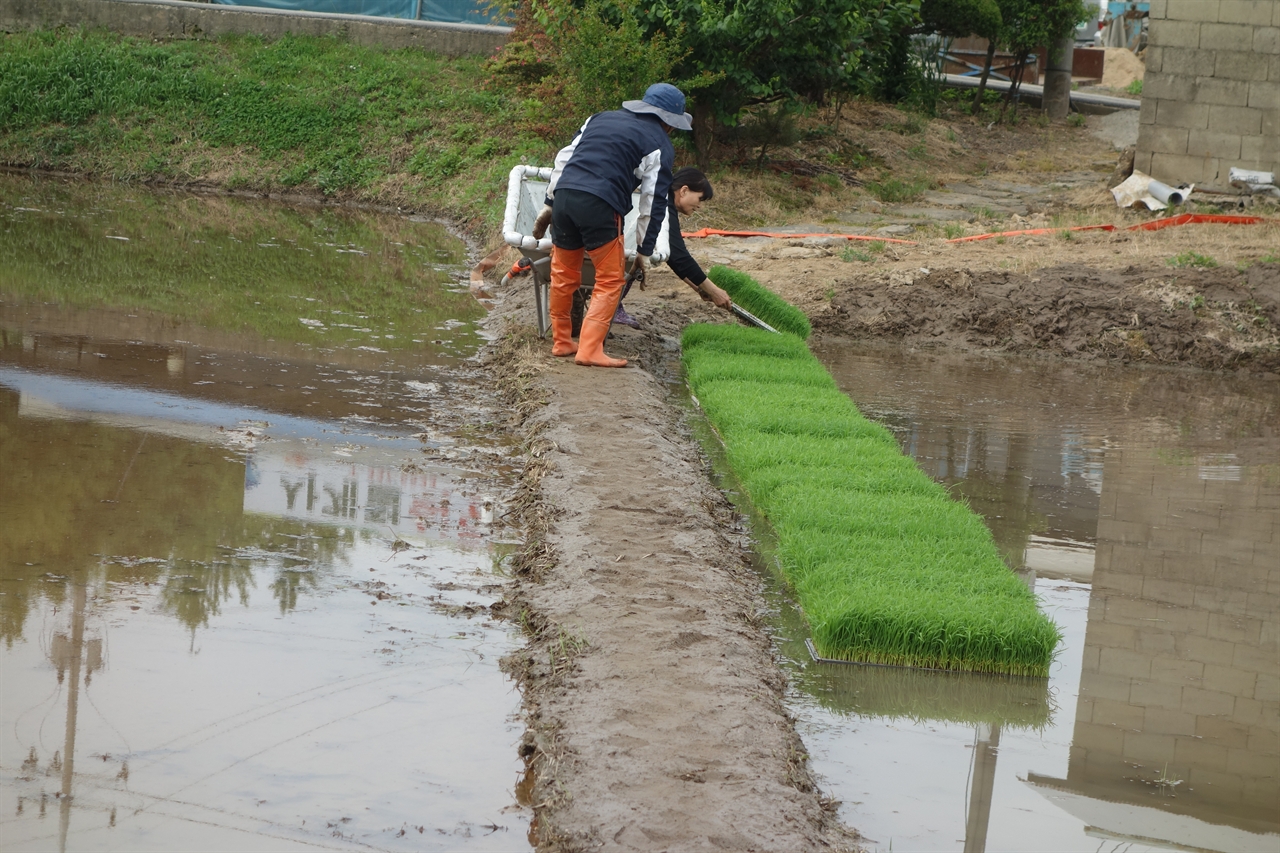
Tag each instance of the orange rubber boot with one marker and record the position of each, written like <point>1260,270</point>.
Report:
<point>608,261</point>
<point>566,278</point>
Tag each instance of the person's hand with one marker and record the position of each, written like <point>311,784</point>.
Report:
<point>715,295</point>
<point>543,221</point>
<point>641,268</point>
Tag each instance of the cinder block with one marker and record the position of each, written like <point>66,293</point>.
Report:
<point>1159,9</point>
<point>1142,161</point>
<point>1275,16</point>
<point>1166,591</point>
<point>1264,95</point>
<point>1115,688</point>
<point>1126,531</point>
<point>1214,90</point>
<point>1124,662</point>
<point>1273,62</point>
<point>1251,712</point>
<point>1150,694</point>
<point>1163,721</point>
<point>1256,153</point>
<point>1220,600</point>
<point>1223,785</point>
<point>1241,65</point>
<point>1109,635</point>
<point>1179,540</point>
<point>1153,60</point>
<point>1222,732</point>
<point>1152,748</point>
<point>1147,115</point>
<point>1235,629</point>
<point>1260,605</point>
<point>1263,740</point>
<point>1193,10</point>
<point>1108,740</point>
<point>1251,765</point>
<point>1228,679</point>
<point>1216,543</point>
<point>1266,40</point>
<point>1154,643</point>
<point>1114,582</point>
<point>1174,87</point>
<point>1224,36</point>
<point>1171,33</point>
<point>1175,169</point>
<point>1267,688</point>
<point>1207,702</point>
<point>1108,712</point>
<point>1173,670</point>
<point>1253,658</point>
<point>1205,650</point>
<point>1253,12</point>
<point>1186,61</point>
<point>1194,752</point>
<point>1271,124</point>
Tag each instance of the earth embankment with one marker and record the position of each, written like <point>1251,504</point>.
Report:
<point>653,699</point>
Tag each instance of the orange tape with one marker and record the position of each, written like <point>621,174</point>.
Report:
<point>716,232</point>
<point>1196,219</point>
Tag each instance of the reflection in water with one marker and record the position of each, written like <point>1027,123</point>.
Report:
<point>1162,491</point>
<point>225,568</point>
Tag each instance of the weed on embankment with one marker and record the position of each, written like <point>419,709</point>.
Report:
<point>887,567</point>
<point>316,114</point>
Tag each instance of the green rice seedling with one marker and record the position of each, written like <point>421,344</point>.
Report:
<point>886,565</point>
<point>764,303</point>
<point>743,340</point>
<point>760,368</point>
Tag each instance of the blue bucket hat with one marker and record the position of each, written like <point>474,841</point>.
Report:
<point>666,102</point>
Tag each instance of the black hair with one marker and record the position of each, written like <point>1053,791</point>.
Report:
<point>694,180</point>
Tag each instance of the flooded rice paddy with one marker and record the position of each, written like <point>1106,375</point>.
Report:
<point>1143,507</point>
<point>247,532</point>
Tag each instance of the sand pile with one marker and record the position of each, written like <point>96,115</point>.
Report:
<point>1120,68</point>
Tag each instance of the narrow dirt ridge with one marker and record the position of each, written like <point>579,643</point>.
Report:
<point>654,702</point>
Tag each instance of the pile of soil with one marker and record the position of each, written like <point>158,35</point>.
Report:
<point>1120,68</point>
<point>1219,318</point>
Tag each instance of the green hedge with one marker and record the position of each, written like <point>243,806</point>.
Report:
<point>888,568</point>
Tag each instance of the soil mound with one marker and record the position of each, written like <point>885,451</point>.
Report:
<point>1120,68</point>
<point>1219,318</point>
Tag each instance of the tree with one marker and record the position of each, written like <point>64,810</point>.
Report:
<point>1032,24</point>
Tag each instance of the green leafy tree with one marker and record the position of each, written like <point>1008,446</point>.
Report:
<point>1028,25</point>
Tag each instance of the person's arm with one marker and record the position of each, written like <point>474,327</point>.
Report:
<point>562,160</point>
<point>688,270</point>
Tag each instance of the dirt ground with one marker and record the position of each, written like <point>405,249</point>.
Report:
<point>653,701</point>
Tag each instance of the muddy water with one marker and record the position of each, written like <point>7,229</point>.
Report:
<point>246,561</point>
<point>1143,508</point>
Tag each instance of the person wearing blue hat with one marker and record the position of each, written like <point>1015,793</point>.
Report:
<point>590,194</point>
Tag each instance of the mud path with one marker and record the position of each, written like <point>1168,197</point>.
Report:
<point>653,699</point>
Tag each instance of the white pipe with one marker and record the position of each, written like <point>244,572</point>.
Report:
<point>1165,193</point>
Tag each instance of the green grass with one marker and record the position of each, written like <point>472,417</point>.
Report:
<point>1192,259</point>
<point>1134,88</point>
<point>887,567</point>
<point>894,190</point>
<point>764,303</point>
<point>320,114</point>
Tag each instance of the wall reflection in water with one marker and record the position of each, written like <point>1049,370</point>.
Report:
<point>1160,725</point>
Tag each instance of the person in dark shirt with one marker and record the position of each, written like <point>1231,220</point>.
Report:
<point>589,195</point>
<point>689,189</point>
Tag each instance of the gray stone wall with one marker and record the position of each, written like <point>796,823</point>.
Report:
<point>169,19</point>
<point>1211,94</point>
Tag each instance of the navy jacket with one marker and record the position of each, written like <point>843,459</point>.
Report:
<point>613,153</point>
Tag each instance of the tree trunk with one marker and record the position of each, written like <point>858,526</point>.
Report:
<point>704,124</point>
<point>1057,79</point>
<point>986,72</point>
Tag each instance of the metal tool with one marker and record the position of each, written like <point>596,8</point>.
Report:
<point>746,315</point>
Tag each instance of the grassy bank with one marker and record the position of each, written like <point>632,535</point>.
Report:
<point>887,567</point>
<point>299,113</point>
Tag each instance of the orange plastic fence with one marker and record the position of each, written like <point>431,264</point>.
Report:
<point>1198,219</point>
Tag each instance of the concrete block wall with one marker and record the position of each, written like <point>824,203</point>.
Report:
<point>1181,668</point>
<point>172,19</point>
<point>1211,93</point>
